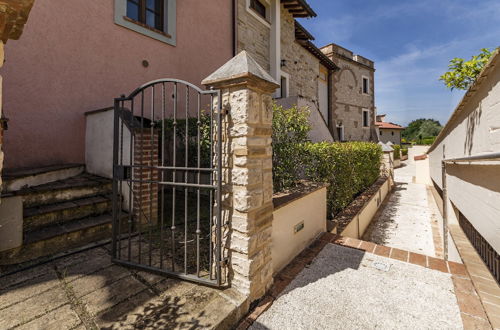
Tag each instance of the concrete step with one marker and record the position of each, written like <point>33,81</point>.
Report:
<point>80,186</point>
<point>45,215</point>
<point>17,179</point>
<point>59,238</point>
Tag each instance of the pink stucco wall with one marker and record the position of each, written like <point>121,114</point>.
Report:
<point>73,58</point>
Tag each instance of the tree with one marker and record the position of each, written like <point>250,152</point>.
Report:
<point>463,73</point>
<point>421,129</point>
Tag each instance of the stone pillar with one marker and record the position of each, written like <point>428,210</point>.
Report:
<point>246,91</point>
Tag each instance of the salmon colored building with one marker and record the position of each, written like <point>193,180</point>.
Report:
<point>76,56</point>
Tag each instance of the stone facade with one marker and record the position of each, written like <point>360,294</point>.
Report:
<point>348,99</point>
<point>300,64</point>
<point>247,172</point>
<point>392,135</point>
<point>253,36</point>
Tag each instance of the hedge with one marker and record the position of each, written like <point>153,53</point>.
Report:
<point>349,169</point>
<point>397,151</point>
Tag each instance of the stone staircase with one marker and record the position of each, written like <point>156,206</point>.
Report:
<point>63,208</point>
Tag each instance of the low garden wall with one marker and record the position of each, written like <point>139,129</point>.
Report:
<point>355,219</point>
<point>298,218</point>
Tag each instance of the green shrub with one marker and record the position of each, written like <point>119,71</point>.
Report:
<point>290,130</point>
<point>404,152</point>
<point>349,168</point>
<point>397,151</point>
<point>428,140</point>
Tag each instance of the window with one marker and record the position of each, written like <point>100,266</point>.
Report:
<point>282,92</point>
<point>283,87</point>
<point>340,132</point>
<point>392,133</point>
<point>147,12</point>
<point>153,18</point>
<point>366,118</point>
<point>366,85</point>
<point>259,8</point>
<point>380,132</point>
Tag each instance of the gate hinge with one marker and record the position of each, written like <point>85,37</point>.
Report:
<point>224,261</point>
<point>123,172</point>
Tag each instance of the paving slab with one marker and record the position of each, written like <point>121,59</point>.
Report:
<point>345,288</point>
<point>405,220</point>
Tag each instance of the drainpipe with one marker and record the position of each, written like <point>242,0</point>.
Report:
<point>445,210</point>
<point>235,27</point>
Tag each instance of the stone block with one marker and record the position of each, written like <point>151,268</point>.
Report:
<point>245,200</point>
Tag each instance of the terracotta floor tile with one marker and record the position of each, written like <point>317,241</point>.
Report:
<point>367,246</point>
<point>328,237</point>
<point>437,264</point>
<point>318,245</point>
<point>280,283</point>
<point>383,251</point>
<point>352,242</point>
<point>457,269</point>
<point>418,259</point>
<point>399,254</point>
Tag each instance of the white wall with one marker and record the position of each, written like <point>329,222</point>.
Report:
<point>474,130</point>
<point>99,147</point>
<point>286,243</point>
<point>319,131</point>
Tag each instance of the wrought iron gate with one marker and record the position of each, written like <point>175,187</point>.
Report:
<point>167,181</point>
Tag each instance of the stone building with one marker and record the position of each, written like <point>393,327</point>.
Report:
<point>268,31</point>
<point>388,132</point>
<point>353,97</point>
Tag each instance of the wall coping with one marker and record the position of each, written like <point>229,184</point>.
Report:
<point>371,194</point>
<point>282,199</point>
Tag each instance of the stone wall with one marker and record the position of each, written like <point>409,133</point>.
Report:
<point>253,36</point>
<point>392,135</point>
<point>348,100</point>
<point>300,64</point>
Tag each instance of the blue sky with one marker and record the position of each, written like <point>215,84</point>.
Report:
<point>411,42</point>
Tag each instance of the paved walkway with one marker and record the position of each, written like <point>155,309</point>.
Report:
<point>406,221</point>
<point>352,284</point>
<point>87,291</point>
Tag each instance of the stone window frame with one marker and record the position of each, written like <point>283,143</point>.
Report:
<point>167,36</point>
<point>367,111</point>
<point>266,21</point>
<point>363,78</point>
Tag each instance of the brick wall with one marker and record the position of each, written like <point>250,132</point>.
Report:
<point>146,194</point>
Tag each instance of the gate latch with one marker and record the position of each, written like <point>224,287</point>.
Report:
<point>123,172</point>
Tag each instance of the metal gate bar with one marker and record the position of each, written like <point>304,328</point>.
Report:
<point>143,178</point>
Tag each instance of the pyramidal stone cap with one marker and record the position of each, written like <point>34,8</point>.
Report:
<point>242,66</point>
<point>385,147</point>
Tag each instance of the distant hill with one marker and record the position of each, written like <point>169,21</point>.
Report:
<point>422,131</point>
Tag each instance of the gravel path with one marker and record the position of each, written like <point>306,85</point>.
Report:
<point>345,288</point>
